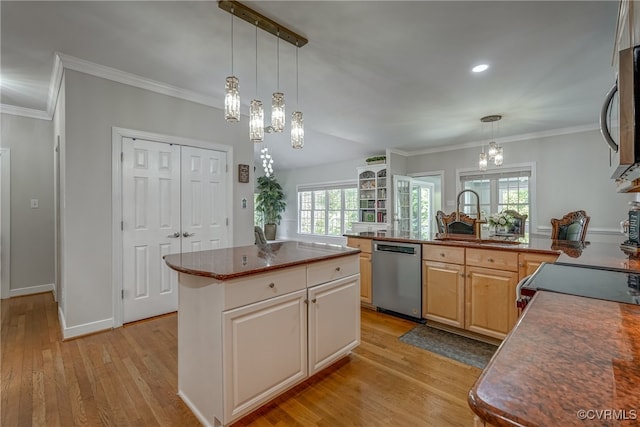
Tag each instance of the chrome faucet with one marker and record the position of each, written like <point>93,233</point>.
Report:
<point>479,221</point>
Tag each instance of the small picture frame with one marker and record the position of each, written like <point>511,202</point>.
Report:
<point>243,173</point>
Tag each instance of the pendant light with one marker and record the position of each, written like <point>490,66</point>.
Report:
<point>297,124</point>
<point>482,164</point>
<point>495,152</point>
<point>232,92</point>
<point>256,113</point>
<point>277,99</point>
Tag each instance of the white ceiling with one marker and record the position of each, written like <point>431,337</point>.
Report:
<point>375,74</point>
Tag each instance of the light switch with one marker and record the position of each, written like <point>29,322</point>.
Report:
<point>244,203</point>
<point>34,203</point>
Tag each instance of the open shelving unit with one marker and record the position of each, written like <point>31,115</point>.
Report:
<point>372,194</point>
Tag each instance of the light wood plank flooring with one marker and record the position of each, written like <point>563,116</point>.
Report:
<point>128,376</point>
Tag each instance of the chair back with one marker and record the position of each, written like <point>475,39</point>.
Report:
<point>259,234</point>
<point>572,226</point>
<point>439,221</point>
<point>464,225</point>
<point>519,222</point>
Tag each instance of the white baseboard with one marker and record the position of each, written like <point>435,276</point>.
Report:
<point>84,329</point>
<point>29,290</point>
<point>193,408</point>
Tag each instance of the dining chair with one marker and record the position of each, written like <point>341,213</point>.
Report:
<point>519,222</point>
<point>572,226</point>
<point>259,234</point>
<point>439,221</point>
<point>462,225</point>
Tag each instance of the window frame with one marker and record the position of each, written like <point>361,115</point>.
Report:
<point>326,187</point>
<point>506,169</point>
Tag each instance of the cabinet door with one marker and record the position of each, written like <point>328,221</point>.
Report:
<point>443,293</point>
<point>334,321</point>
<point>365,278</point>
<point>490,301</point>
<point>528,263</point>
<point>264,351</point>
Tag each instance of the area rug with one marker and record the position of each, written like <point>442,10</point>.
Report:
<point>462,349</point>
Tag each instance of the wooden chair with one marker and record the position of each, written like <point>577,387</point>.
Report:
<point>519,222</point>
<point>465,225</point>
<point>439,221</point>
<point>259,235</point>
<point>572,226</point>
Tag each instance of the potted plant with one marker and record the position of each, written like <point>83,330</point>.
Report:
<point>270,204</point>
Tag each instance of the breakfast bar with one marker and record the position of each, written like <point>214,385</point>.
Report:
<point>254,321</point>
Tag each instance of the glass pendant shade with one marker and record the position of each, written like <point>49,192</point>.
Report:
<point>256,121</point>
<point>232,100</point>
<point>498,159</point>
<point>297,130</point>
<point>277,112</point>
<point>493,149</point>
<point>482,164</point>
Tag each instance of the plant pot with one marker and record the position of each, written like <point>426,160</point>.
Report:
<point>270,231</point>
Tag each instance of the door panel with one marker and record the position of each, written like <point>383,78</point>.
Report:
<point>151,217</point>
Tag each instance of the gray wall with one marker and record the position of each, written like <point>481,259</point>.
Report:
<point>32,242</point>
<point>572,174</point>
<point>93,106</point>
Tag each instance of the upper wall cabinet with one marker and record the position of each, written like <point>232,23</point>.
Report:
<point>372,194</point>
<point>628,30</point>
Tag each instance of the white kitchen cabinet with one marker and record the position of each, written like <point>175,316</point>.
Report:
<point>372,194</point>
<point>334,321</point>
<point>265,351</point>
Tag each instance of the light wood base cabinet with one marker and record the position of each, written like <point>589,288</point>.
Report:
<point>364,245</point>
<point>528,263</point>
<point>443,293</point>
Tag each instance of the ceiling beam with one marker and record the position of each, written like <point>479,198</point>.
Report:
<point>268,25</point>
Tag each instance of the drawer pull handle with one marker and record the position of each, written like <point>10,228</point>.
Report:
<point>337,268</point>
<point>272,285</point>
<point>490,259</point>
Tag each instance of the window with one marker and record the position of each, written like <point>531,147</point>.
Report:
<point>498,191</point>
<point>327,210</point>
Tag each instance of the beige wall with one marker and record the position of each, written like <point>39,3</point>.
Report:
<point>32,241</point>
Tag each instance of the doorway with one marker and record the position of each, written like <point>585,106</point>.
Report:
<point>171,198</point>
<point>417,198</point>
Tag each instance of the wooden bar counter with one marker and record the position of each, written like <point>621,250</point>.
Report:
<point>254,321</point>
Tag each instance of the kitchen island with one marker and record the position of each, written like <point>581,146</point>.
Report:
<point>254,321</point>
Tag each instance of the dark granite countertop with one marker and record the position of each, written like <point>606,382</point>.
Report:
<point>230,263</point>
<point>567,358</point>
<point>581,253</point>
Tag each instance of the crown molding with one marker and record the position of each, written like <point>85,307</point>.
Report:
<point>24,112</point>
<point>507,140</point>
<point>113,74</point>
<point>54,84</point>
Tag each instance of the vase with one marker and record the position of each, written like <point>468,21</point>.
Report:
<point>270,231</point>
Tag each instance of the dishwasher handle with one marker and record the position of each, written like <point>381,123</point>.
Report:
<point>407,250</point>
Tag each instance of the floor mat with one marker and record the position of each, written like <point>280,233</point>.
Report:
<point>463,349</point>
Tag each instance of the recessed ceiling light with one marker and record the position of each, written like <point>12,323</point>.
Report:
<point>480,68</point>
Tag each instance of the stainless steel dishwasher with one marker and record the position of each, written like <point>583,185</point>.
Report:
<point>397,284</point>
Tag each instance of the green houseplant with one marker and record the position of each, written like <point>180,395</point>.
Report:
<point>270,204</point>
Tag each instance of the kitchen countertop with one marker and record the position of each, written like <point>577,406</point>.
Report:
<point>567,358</point>
<point>582,253</point>
<point>230,263</point>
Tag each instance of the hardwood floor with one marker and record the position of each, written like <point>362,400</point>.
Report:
<point>128,376</point>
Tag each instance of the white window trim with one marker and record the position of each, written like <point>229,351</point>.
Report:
<point>514,167</point>
<point>351,183</point>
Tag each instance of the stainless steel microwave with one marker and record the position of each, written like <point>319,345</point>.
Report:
<point>620,117</point>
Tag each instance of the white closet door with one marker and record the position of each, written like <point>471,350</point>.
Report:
<point>151,227</point>
<point>204,199</point>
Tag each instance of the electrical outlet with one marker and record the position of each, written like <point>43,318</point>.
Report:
<point>34,203</point>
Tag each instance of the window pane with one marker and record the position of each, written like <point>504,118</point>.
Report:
<point>319,222</point>
<point>335,200</point>
<point>335,223</point>
<point>319,199</point>
<point>305,200</point>
<point>351,199</point>
<point>305,222</point>
<point>349,218</point>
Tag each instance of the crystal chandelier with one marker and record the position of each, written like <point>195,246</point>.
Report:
<point>232,93</point>
<point>256,113</point>
<point>495,152</point>
<point>297,124</point>
<point>277,99</point>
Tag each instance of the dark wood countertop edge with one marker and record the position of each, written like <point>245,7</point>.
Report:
<point>225,277</point>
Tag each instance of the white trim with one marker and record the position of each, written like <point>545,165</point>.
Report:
<point>29,290</point>
<point>84,329</point>
<point>5,226</point>
<point>194,409</point>
<point>117,134</point>
<point>113,74</point>
<point>325,185</point>
<point>54,85</point>
<point>439,173</point>
<point>24,112</point>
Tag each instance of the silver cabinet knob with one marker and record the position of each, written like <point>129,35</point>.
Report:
<point>337,268</point>
<point>174,235</point>
<point>272,285</point>
<point>187,234</point>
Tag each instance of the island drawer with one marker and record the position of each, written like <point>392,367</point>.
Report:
<point>441,253</point>
<point>500,260</point>
<point>363,244</point>
<point>260,287</point>
<point>333,269</point>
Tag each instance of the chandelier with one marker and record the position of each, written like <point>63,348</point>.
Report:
<point>257,128</point>
<point>495,152</point>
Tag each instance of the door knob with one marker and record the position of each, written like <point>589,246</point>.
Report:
<point>174,235</point>
<point>187,234</point>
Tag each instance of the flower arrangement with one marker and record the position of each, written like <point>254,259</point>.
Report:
<point>500,219</point>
